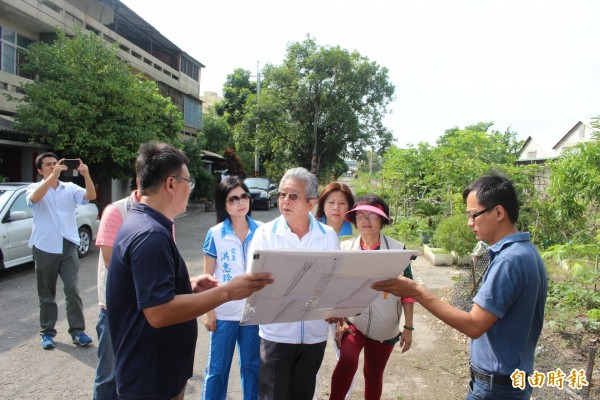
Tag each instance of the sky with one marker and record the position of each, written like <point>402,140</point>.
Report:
<point>531,66</point>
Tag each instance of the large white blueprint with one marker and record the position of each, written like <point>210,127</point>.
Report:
<point>316,284</point>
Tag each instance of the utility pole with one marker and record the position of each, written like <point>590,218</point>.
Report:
<point>256,170</point>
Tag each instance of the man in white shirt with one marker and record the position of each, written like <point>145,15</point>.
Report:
<point>54,240</point>
<point>291,353</point>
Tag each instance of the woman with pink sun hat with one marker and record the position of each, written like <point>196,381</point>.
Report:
<point>377,328</point>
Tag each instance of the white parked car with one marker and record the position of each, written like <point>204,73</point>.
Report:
<point>16,219</point>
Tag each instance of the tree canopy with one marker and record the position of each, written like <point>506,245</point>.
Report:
<point>439,173</point>
<point>320,105</point>
<point>236,90</point>
<point>87,103</point>
<point>216,132</point>
<point>559,199</point>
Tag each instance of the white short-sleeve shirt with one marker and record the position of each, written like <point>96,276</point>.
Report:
<point>277,235</point>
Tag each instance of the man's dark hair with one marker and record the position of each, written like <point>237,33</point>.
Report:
<point>156,162</point>
<point>495,189</point>
<point>39,159</point>
<point>221,193</point>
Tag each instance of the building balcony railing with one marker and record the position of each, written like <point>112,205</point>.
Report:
<point>10,84</point>
<point>59,12</point>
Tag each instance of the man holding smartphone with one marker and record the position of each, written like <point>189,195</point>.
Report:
<point>54,240</point>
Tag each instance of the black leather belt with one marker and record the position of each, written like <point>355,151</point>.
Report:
<point>491,379</point>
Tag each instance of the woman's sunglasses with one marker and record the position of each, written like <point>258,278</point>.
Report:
<point>231,200</point>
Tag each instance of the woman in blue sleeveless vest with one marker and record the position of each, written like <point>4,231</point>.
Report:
<point>225,252</point>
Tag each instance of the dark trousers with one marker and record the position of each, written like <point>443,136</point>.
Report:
<point>289,371</point>
<point>48,267</point>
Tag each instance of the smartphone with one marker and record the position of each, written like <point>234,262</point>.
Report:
<point>71,163</point>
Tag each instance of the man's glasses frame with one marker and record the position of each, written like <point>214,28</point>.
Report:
<point>231,200</point>
<point>189,181</point>
<point>478,213</point>
<point>290,196</point>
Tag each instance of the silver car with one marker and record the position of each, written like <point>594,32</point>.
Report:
<point>16,224</point>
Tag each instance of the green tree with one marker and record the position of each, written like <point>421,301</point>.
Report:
<point>462,155</point>
<point>276,152</point>
<point>216,132</point>
<point>193,148</point>
<point>88,104</point>
<point>438,173</point>
<point>575,191</point>
<point>236,90</point>
<point>205,182</point>
<point>321,105</point>
<point>404,172</point>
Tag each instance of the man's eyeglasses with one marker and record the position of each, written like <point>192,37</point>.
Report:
<point>478,213</point>
<point>367,217</point>
<point>231,200</point>
<point>190,182</point>
<point>291,196</point>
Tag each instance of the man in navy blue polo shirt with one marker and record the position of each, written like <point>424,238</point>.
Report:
<point>506,320</point>
<point>152,302</point>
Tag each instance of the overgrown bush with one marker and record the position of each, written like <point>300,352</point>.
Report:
<point>572,293</point>
<point>567,302</point>
<point>361,191</point>
<point>453,234</point>
<point>404,230</point>
<point>594,314</point>
<point>205,186</point>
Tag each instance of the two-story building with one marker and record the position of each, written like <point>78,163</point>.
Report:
<point>23,22</point>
